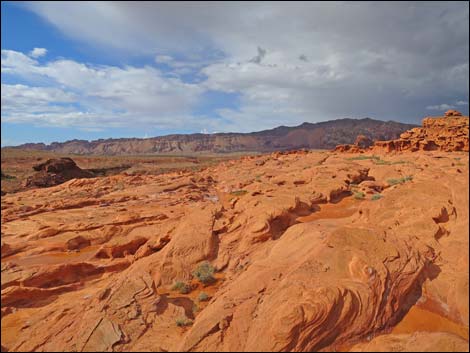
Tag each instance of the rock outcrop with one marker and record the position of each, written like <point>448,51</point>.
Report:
<point>362,143</point>
<point>449,133</point>
<point>56,171</point>
<point>302,258</point>
<point>452,113</point>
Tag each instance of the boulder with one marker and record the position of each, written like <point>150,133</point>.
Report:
<point>56,171</point>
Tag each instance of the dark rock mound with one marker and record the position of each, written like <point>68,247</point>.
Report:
<point>55,172</point>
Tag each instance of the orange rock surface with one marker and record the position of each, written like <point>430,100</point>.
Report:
<point>311,251</point>
<point>448,133</point>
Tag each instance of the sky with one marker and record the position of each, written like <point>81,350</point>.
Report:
<point>90,70</point>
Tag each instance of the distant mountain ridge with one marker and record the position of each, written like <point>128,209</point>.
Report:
<point>322,135</point>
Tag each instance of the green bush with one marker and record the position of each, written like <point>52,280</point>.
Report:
<point>204,273</point>
<point>383,162</point>
<point>183,321</point>
<point>400,180</point>
<point>376,197</point>
<point>360,158</point>
<point>238,193</point>
<point>359,195</point>
<point>203,297</point>
<point>181,287</point>
<point>195,309</point>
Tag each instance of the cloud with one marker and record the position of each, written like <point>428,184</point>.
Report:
<point>287,63</point>
<point>163,59</point>
<point>440,107</point>
<point>95,96</point>
<point>446,106</point>
<point>38,52</point>
<point>257,59</point>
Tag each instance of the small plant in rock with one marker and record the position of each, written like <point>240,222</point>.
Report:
<point>238,192</point>
<point>181,287</point>
<point>382,162</point>
<point>400,180</point>
<point>361,158</point>
<point>203,297</point>
<point>205,273</point>
<point>195,309</point>
<point>359,195</point>
<point>376,197</point>
<point>408,178</point>
<point>183,321</point>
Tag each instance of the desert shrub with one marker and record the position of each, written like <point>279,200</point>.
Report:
<point>203,297</point>
<point>408,178</point>
<point>382,162</point>
<point>376,197</point>
<point>204,273</point>
<point>359,195</point>
<point>360,158</point>
<point>400,180</point>
<point>181,287</point>
<point>183,321</point>
<point>195,309</point>
<point>238,192</point>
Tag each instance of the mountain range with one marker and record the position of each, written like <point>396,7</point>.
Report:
<point>322,135</point>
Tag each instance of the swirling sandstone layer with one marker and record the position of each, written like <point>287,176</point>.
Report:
<point>301,264</point>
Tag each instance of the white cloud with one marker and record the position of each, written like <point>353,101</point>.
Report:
<point>17,63</point>
<point>440,107</point>
<point>461,103</point>
<point>163,59</point>
<point>101,96</point>
<point>38,52</point>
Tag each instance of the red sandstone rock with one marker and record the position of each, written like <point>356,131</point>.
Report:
<point>299,265</point>
<point>452,113</point>
<point>448,133</point>
<point>363,141</point>
<point>417,342</point>
<point>56,171</point>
